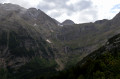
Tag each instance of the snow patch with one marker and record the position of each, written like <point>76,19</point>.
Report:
<point>60,25</point>
<point>51,30</point>
<point>48,41</point>
<point>35,24</point>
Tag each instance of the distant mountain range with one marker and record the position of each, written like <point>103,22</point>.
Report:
<point>34,44</point>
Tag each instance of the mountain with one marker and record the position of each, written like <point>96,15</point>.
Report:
<point>23,37</point>
<point>82,39</point>
<point>34,44</point>
<point>68,22</point>
<point>104,63</point>
<point>32,16</point>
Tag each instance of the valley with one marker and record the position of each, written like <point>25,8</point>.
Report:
<point>33,45</point>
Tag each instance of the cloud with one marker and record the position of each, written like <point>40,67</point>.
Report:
<point>23,3</point>
<point>65,9</point>
<point>115,8</point>
<point>77,10</point>
<point>2,1</point>
<point>62,4</point>
<point>83,4</point>
<point>104,8</point>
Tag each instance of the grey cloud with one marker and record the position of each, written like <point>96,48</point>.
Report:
<point>84,6</point>
<point>61,4</point>
<point>81,5</point>
<point>90,12</point>
<point>45,7</point>
<point>58,5</point>
<point>58,2</point>
<point>56,14</point>
<point>2,1</point>
<point>22,3</point>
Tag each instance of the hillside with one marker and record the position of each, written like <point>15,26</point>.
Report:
<point>103,63</point>
<point>82,39</point>
<point>34,44</point>
<point>21,41</point>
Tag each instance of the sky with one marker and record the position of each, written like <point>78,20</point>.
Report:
<point>80,11</point>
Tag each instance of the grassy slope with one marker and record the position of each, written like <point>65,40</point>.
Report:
<point>103,63</point>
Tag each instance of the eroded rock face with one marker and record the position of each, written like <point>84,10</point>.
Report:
<point>20,40</point>
<point>16,49</point>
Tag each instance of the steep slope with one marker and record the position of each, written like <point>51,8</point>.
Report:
<point>41,21</point>
<point>20,40</point>
<point>34,17</point>
<point>103,63</point>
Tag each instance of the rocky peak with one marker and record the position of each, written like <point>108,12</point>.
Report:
<point>68,22</point>
<point>32,12</point>
<point>38,16</point>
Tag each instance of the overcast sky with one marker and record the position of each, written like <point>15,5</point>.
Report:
<point>80,11</point>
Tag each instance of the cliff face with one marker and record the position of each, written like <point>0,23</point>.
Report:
<point>21,38</point>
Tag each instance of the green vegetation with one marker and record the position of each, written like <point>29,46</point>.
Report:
<point>103,63</point>
<point>15,48</point>
<point>4,74</point>
<point>3,39</point>
<point>104,67</point>
<point>37,67</point>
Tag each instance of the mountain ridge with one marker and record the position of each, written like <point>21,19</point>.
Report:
<point>46,45</point>
<point>20,34</point>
